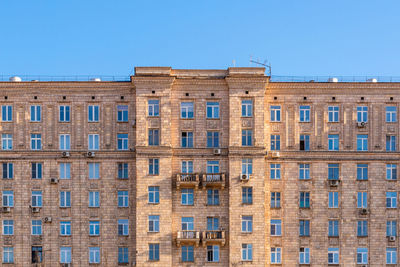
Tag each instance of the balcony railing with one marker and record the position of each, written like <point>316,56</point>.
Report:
<point>188,237</point>
<point>214,179</point>
<point>217,236</point>
<point>187,180</point>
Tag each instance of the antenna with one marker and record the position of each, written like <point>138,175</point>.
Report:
<point>265,64</point>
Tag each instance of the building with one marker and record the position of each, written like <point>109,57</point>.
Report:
<point>199,168</point>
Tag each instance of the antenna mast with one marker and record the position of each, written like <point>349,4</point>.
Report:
<point>268,66</point>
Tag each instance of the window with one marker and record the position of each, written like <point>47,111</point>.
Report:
<point>65,170</point>
<point>247,108</point>
<point>8,198</point>
<point>212,139</point>
<point>333,114</point>
<point>333,171</point>
<point>304,257</point>
<point>362,114</point>
<point>154,223</point>
<point>93,113</point>
<point>247,195</point>
<point>94,170</point>
<point>247,224</point>
<point>213,253</point>
<point>275,199</point>
<point>65,228</point>
<point>8,227</point>
<point>123,255</point>
<point>275,255</point>
<point>391,171</point>
<point>187,139</point>
<point>247,137</point>
<point>304,171</point>
<point>153,166</point>
<point>212,223</point>
<point>362,171</point>
<point>123,171</point>
<point>187,253</point>
<point>391,228</point>
<point>37,199</point>
<point>333,229</point>
<point>154,252</point>
<point>333,199</point>
<point>391,200</point>
<point>36,141</point>
<point>123,199</point>
<point>65,142</point>
<point>362,142</point>
<point>333,255</point>
<point>7,141</point>
<point>275,142</point>
<point>8,255</point>
<point>276,227</point>
<point>36,170</point>
<point>391,255</point>
<point>154,107</point>
<point>65,199</point>
<point>275,113</point>
<point>247,166</point>
<point>391,114</point>
<point>247,252</point>
<point>212,197</point>
<point>187,223</point>
<point>37,254</point>
<point>94,199</point>
<point>123,227</point>
<point>154,194</point>
<point>362,200</point>
<point>187,110</point>
<point>93,142</point>
<point>275,171</point>
<point>304,227</point>
<point>122,140</point>
<point>64,114</point>
<point>304,199</point>
<point>6,113</point>
<point>305,113</point>
<point>305,142</point>
<point>187,196</point>
<point>94,255</point>
<point>122,113</point>
<point>187,166</point>
<point>94,228</point>
<point>65,255</point>
<point>362,228</point>
<point>213,166</point>
<point>35,113</point>
<point>8,170</point>
<point>390,143</point>
<point>36,227</point>
<point>212,110</point>
<point>153,137</point>
<point>333,142</point>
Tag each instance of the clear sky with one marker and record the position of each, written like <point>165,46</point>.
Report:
<point>299,37</point>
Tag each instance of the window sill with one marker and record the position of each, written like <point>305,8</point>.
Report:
<point>153,203</point>
<point>212,205</point>
<point>187,119</point>
<point>213,119</point>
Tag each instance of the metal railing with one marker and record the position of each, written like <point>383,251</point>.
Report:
<point>185,177</point>
<point>388,79</point>
<point>213,177</point>
<point>188,235</point>
<point>67,78</point>
<point>217,234</point>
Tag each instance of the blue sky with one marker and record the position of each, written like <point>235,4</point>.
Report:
<point>299,37</point>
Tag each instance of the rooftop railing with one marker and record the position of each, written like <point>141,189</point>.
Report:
<point>69,78</point>
<point>388,79</point>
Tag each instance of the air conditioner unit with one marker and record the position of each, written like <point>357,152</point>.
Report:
<point>392,238</point>
<point>275,154</point>
<point>217,151</point>
<point>35,209</point>
<point>363,211</point>
<point>54,180</point>
<point>65,154</point>
<point>244,177</point>
<point>361,124</point>
<point>90,154</point>
<point>334,182</point>
<point>47,219</point>
<point>6,209</point>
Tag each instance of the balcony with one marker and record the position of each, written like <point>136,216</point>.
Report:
<point>190,237</point>
<point>187,180</point>
<point>214,180</point>
<point>212,237</point>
